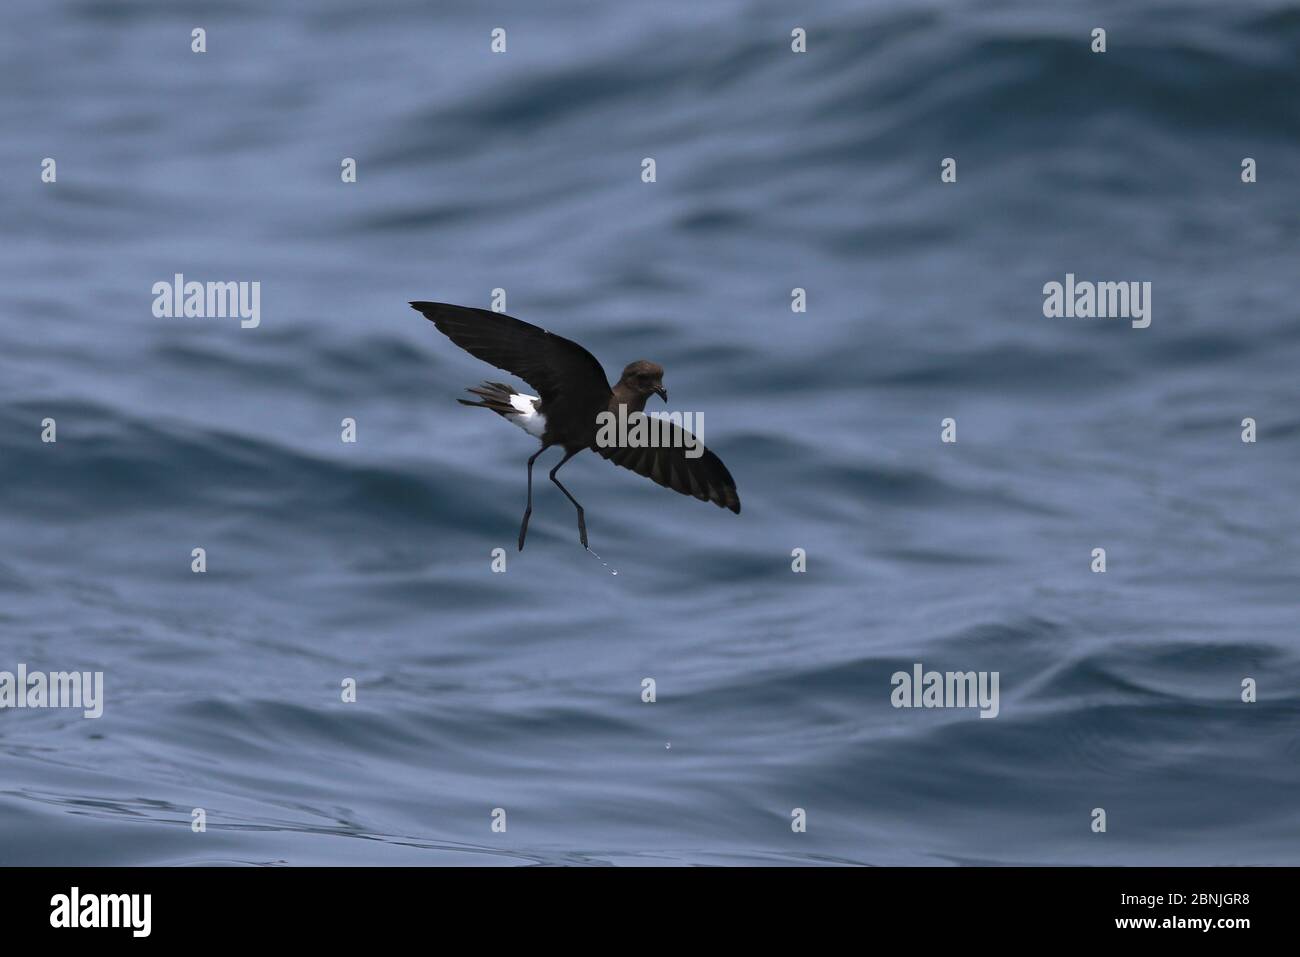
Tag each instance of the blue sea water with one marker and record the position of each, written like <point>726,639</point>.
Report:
<point>522,690</point>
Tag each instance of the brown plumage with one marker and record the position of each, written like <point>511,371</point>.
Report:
<point>571,392</point>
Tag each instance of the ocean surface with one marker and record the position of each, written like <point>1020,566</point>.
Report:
<point>522,690</point>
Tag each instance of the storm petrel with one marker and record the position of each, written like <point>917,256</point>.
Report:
<point>572,392</point>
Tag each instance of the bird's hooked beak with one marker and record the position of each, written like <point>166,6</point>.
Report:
<point>662,393</point>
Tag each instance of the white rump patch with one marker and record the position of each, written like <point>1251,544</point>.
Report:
<point>528,418</point>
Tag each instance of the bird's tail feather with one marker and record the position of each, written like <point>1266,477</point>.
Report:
<point>494,395</point>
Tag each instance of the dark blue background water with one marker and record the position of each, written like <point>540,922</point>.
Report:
<point>522,690</point>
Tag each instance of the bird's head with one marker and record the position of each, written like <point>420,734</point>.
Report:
<point>645,378</point>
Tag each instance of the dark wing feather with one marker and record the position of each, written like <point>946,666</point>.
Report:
<point>704,477</point>
<point>565,375</point>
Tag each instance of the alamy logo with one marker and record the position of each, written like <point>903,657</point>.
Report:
<point>1098,300</point>
<point>951,689</point>
<point>103,910</point>
<point>56,689</point>
<point>678,430</point>
<point>212,300</point>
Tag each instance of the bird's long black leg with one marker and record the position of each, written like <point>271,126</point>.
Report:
<point>523,529</point>
<point>582,523</point>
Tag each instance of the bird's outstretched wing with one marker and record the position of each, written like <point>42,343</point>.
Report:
<point>704,477</point>
<point>563,372</point>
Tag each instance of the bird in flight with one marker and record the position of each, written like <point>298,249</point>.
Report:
<point>572,393</point>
